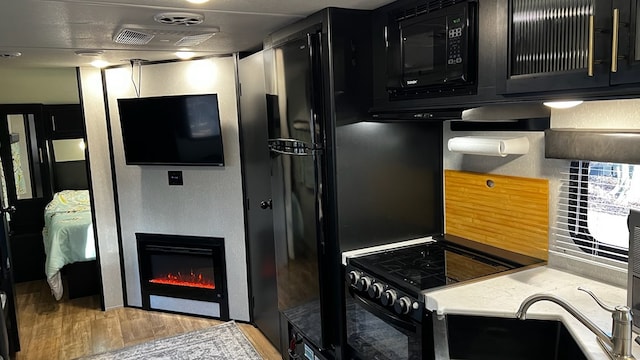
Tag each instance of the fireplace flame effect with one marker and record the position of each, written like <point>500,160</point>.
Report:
<point>189,280</point>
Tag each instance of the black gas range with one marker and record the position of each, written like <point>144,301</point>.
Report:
<point>385,308</point>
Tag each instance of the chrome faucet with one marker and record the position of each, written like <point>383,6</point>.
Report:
<point>617,346</point>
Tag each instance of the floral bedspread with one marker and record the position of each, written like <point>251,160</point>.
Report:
<point>67,234</point>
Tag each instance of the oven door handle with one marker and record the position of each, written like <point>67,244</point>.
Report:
<point>390,318</point>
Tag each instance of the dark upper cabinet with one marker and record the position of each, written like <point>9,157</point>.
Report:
<point>527,50</point>
<point>627,55</point>
<point>559,45</point>
<point>64,121</point>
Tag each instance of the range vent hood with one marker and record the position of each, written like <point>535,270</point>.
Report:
<point>507,112</point>
<point>617,146</point>
<point>504,117</point>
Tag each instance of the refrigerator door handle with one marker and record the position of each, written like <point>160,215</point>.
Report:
<point>292,147</point>
<point>316,116</point>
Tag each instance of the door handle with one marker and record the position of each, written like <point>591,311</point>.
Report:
<point>8,210</point>
<point>590,55</point>
<point>266,204</point>
<point>6,269</point>
<point>614,40</point>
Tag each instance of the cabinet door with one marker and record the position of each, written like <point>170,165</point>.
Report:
<point>558,45</point>
<point>65,121</point>
<point>625,42</point>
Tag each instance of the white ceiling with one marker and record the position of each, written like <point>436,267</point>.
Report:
<point>48,32</point>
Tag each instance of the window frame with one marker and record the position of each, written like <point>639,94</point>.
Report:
<point>578,206</point>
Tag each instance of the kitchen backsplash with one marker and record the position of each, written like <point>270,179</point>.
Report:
<point>509,212</point>
<point>612,114</point>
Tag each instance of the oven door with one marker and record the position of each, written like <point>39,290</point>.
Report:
<point>374,332</point>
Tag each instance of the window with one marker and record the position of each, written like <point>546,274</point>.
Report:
<point>594,205</point>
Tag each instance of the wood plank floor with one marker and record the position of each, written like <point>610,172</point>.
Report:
<point>68,329</point>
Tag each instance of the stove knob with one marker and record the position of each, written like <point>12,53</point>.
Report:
<point>363,283</point>
<point>388,298</point>
<point>353,277</point>
<point>375,291</point>
<point>403,305</point>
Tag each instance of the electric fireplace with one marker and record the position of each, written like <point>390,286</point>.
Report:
<point>184,274</point>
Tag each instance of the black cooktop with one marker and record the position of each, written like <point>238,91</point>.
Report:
<point>431,264</point>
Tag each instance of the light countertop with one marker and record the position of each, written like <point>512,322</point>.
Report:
<point>501,296</point>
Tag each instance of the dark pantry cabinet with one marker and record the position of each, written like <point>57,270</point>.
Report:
<point>555,45</point>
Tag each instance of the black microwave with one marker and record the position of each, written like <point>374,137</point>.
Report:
<point>432,52</point>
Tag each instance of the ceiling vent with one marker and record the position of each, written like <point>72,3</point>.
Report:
<point>163,36</point>
<point>132,37</point>
<point>179,18</point>
<point>193,40</point>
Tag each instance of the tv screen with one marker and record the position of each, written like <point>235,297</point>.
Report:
<point>171,130</point>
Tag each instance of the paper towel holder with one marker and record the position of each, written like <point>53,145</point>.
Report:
<point>489,146</point>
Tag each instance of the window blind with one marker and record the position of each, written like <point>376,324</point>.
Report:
<point>571,229</point>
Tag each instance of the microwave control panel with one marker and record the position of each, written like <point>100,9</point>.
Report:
<point>456,40</point>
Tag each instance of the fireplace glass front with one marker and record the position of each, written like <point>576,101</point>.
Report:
<point>192,269</point>
<point>183,274</point>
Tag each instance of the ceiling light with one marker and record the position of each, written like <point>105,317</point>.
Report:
<point>197,1</point>
<point>562,104</point>
<point>99,63</point>
<point>185,55</point>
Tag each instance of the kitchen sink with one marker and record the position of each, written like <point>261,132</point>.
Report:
<point>494,338</point>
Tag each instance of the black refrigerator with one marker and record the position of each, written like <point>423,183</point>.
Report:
<point>339,180</point>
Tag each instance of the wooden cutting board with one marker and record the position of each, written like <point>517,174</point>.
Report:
<point>507,212</point>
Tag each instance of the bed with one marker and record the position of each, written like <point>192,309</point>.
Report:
<point>67,234</point>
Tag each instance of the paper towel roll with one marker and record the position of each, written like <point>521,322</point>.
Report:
<point>492,146</point>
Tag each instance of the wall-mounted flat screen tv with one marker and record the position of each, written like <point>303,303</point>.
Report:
<point>172,130</point>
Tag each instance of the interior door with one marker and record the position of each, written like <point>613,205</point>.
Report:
<point>27,186</point>
<point>258,210</point>
<point>12,338</point>
<point>17,196</point>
